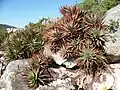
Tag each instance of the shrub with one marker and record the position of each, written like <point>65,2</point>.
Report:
<point>114,25</point>
<point>3,35</point>
<point>39,73</point>
<point>75,32</point>
<point>108,4</point>
<point>95,6</point>
<point>21,44</point>
<point>94,20</point>
<point>91,62</point>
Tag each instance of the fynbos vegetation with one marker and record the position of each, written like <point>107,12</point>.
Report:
<point>78,35</point>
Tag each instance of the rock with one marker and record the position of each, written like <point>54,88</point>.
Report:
<point>58,59</point>
<point>70,63</point>
<point>64,84</point>
<point>45,88</point>
<point>58,85</point>
<point>104,81</point>
<point>12,79</point>
<point>113,44</point>
<point>116,68</point>
<point>112,14</point>
<point>63,81</point>
<point>1,53</point>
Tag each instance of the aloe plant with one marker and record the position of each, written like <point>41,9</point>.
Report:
<point>75,32</point>
<point>98,38</point>
<point>32,79</point>
<point>94,20</point>
<point>91,62</point>
<point>21,44</point>
<point>39,73</point>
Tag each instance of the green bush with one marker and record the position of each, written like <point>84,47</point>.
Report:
<point>108,4</point>
<point>21,44</point>
<point>95,6</point>
<point>114,25</point>
<point>3,35</point>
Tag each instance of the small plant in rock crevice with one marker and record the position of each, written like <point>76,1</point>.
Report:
<point>97,38</point>
<point>114,25</point>
<point>39,73</point>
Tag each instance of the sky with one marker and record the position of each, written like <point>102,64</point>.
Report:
<point>20,12</point>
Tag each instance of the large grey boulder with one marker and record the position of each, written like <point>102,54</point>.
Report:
<point>113,44</point>
<point>112,14</point>
<point>12,79</point>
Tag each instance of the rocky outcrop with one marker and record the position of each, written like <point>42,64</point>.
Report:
<point>12,79</point>
<point>113,44</point>
<point>106,80</point>
<point>112,14</point>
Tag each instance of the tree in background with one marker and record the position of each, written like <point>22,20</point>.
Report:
<point>98,5</point>
<point>108,4</point>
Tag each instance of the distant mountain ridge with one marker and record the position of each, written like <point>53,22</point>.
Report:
<point>5,26</point>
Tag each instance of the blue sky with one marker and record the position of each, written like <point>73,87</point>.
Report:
<point>21,12</point>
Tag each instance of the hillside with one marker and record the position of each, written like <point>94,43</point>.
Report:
<point>4,26</point>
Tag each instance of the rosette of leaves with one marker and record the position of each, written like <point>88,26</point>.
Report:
<point>95,30</point>
<point>39,72</point>
<point>71,49</point>
<point>21,44</point>
<point>32,78</point>
<point>68,27</point>
<point>72,19</point>
<point>97,38</point>
<point>94,20</point>
<point>91,62</point>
